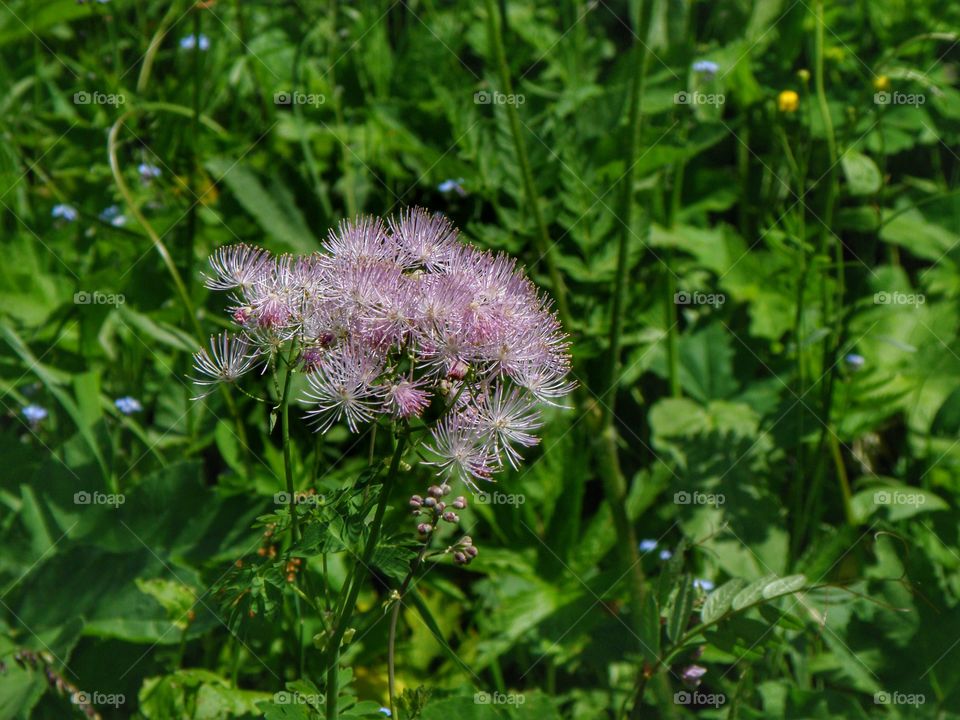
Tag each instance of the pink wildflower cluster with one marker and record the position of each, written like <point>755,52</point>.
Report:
<point>399,320</point>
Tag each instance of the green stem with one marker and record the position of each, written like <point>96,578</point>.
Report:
<point>287,461</point>
<point>542,238</point>
<point>346,612</point>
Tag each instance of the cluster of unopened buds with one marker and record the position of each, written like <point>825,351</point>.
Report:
<point>268,549</point>
<point>292,568</point>
<point>435,508</point>
<point>437,511</point>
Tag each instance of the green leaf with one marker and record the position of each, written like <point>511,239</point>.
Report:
<point>650,628</point>
<point>863,175</point>
<point>784,586</point>
<point>752,593</point>
<point>681,609</point>
<point>278,218</point>
<point>719,601</point>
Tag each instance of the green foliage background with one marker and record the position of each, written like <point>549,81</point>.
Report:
<point>801,243</point>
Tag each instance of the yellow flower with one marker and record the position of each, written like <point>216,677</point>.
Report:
<point>881,83</point>
<point>788,101</point>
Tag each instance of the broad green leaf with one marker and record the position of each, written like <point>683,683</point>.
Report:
<point>862,173</point>
<point>718,602</point>
<point>784,586</point>
<point>752,593</point>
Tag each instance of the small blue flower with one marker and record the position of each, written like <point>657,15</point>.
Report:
<point>112,215</point>
<point>148,172</point>
<point>128,405</point>
<point>65,212</point>
<point>648,545</point>
<point>449,186</point>
<point>34,414</point>
<point>705,585</point>
<point>191,42</point>
<point>386,711</point>
<point>665,554</point>
<point>855,361</point>
<point>707,67</point>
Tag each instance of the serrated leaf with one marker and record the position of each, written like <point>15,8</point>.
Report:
<point>718,602</point>
<point>751,593</point>
<point>681,609</point>
<point>784,586</point>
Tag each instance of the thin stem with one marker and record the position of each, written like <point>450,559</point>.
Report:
<point>287,461</point>
<point>346,612</point>
<point>542,238</point>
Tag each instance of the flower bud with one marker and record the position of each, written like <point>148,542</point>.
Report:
<point>441,507</point>
<point>459,558</point>
<point>460,503</point>
<point>471,551</point>
<point>466,540</point>
<point>430,502</point>
<point>445,489</point>
<point>416,501</point>
<point>424,528</point>
<point>451,517</point>
<point>435,491</point>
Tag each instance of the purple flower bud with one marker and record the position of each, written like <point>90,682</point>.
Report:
<point>441,506</point>
<point>430,502</point>
<point>435,491</point>
<point>691,675</point>
<point>471,550</point>
<point>424,528</point>
<point>451,517</point>
<point>416,501</point>
<point>445,489</point>
<point>460,503</point>
<point>466,540</point>
<point>459,558</point>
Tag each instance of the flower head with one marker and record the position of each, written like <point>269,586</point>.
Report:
<point>192,42</point>
<point>148,172</point>
<point>230,356</point>
<point>707,67</point>
<point>128,405</point>
<point>34,414</point>
<point>64,212</point>
<point>881,83</point>
<point>788,101</point>
<point>648,545</point>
